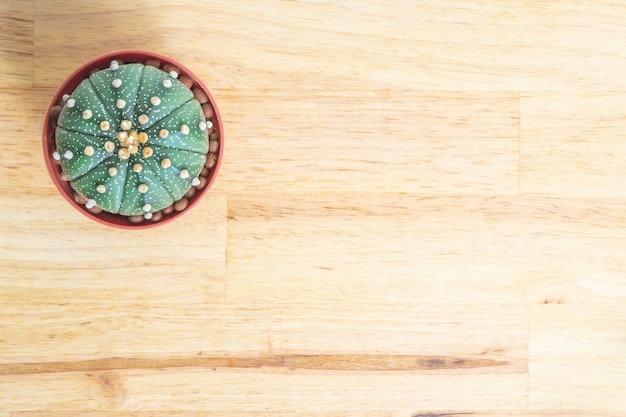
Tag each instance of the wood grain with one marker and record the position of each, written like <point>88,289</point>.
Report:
<point>343,413</point>
<point>381,363</point>
<point>425,249</point>
<point>21,114</point>
<point>455,46</point>
<point>17,40</point>
<point>108,337</point>
<point>577,356</point>
<point>568,150</point>
<point>198,388</point>
<point>420,213</point>
<point>140,266</point>
<point>384,141</point>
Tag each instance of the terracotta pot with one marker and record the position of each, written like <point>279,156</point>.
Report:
<point>102,62</point>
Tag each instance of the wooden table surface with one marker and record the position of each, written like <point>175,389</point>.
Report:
<point>421,211</point>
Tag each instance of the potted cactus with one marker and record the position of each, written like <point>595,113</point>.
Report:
<point>133,139</point>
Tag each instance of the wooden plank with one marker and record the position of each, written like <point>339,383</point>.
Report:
<point>573,145</point>
<point>414,337</point>
<point>343,413</point>
<point>402,248</point>
<point>384,141</point>
<point>21,115</point>
<point>246,390</point>
<point>576,356</point>
<point>525,46</point>
<point>50,253</point>
<point>346,413</point>
<point>17,40</point>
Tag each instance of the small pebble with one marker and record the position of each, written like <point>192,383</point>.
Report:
<point>54,112</point>
<point>211,159</point>
<point>63,177</point>
<point>187,82</point>
<point>136,219</point>
<point>213,136</point>
<point>95,210</point>
<point>168,210</point>
<point>204,172</point>
<point>156,216</point>
<point>200,95</point>
<point>93,71</point>
<point>190,193</point>
<point>170,68</point>
<point>203,183</point>
<point>79,199</point>
<point>207,109</point>
<point>214,145</point>
<point>153,62</point>
<point>181,204</point>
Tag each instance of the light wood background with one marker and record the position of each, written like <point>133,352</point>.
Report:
<point>421,212</point>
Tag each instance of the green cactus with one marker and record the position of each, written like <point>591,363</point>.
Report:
<point>131,139</point>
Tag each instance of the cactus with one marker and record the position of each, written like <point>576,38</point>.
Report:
<point>131,139</point>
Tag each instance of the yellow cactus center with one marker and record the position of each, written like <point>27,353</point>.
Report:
<point>130,141</point>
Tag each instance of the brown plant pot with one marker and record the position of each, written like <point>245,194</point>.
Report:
<point>49,144</point>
